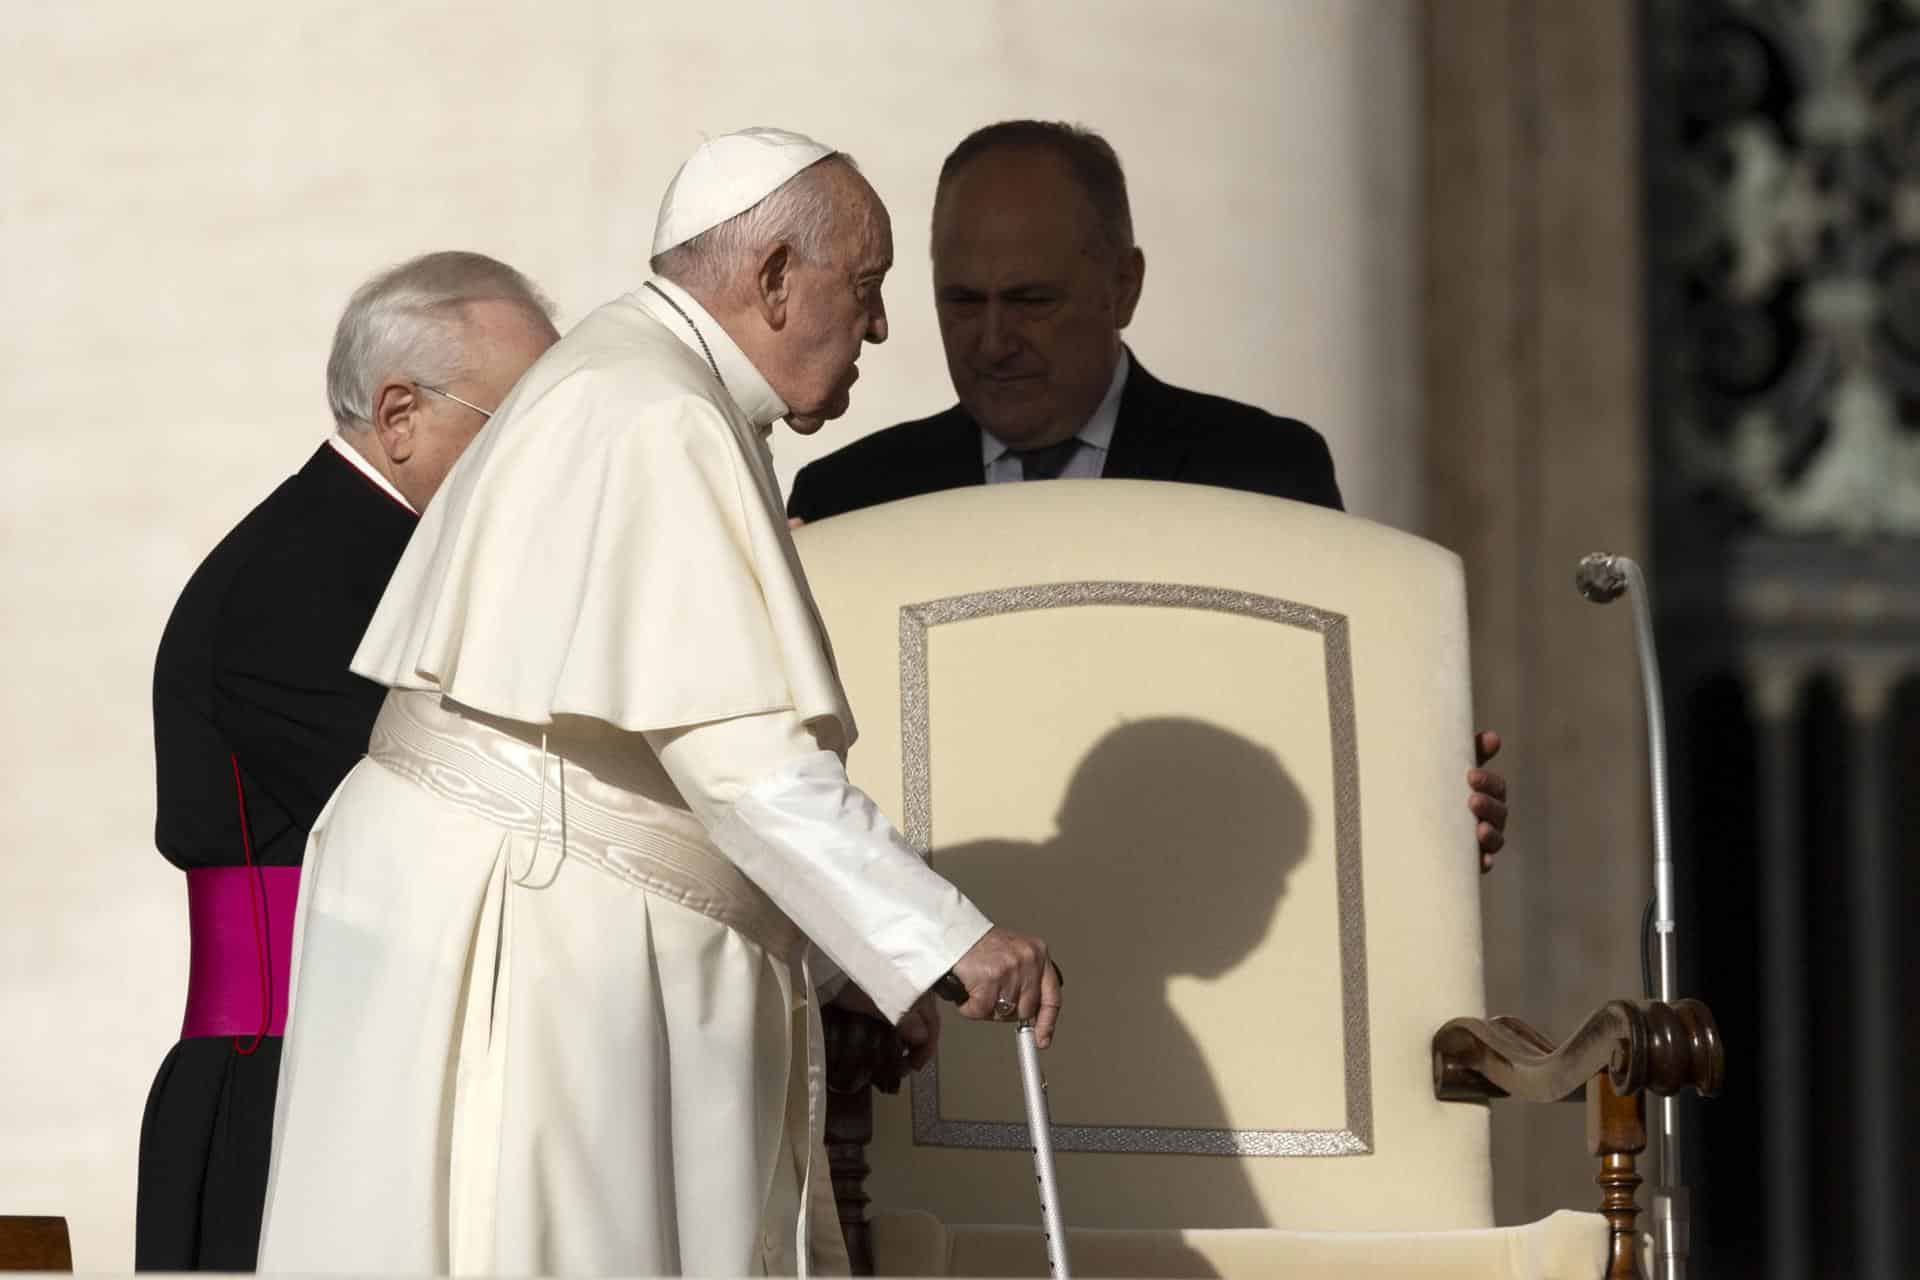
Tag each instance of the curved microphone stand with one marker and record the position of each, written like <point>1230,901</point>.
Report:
<point>1602,579</point>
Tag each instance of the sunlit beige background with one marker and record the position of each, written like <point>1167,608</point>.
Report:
<point>188,193</point>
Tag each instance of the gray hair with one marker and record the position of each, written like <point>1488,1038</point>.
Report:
<point>798,213</point>
<point>1089,157</point>
<point>409,321</point>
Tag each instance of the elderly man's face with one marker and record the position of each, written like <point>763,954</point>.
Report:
<point>836,308</point>
<point>500,341</point>
<point>1031,296</point>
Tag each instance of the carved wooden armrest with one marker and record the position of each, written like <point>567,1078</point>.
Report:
<point>1642,1045</point>
<point>862,1052</point>
<point>1626,1050</point>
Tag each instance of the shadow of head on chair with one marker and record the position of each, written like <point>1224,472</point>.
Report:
<point>1173,846</point>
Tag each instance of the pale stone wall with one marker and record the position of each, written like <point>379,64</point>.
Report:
<point>1536,455</point>
<point>188,195</point>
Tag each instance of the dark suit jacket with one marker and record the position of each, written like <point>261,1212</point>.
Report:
<point>1163,433</point>
<point>253,664</point>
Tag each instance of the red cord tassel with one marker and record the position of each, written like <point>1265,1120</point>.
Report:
<point>254,893</point>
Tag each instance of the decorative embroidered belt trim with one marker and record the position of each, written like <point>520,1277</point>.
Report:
<point>224,978</point>
<point>499,777</point>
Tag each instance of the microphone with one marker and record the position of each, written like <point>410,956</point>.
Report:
<point>1602,579</point>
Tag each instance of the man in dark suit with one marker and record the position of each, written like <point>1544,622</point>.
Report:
<point>1159,432</point>
<point>256,717</point>
<point>1035,275</point>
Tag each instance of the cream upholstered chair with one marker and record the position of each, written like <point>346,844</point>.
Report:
<point>1213,747</point>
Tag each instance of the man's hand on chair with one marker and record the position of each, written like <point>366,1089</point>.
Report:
<point>1488,799</point>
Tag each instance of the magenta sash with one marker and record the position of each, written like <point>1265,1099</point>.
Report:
<point>236,926</point>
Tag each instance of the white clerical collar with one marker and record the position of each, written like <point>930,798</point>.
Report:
<point>691,323</point>
<point>1098,431</point>
<point>344,447</point>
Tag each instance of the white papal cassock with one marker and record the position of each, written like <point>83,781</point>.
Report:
<point>548,1010</point>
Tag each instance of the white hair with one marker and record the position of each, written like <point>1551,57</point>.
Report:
<point>799,213</point>
<point>409,321</point>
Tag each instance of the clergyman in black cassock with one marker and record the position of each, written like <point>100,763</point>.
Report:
<point>253,667</point>
<point>257,718</point>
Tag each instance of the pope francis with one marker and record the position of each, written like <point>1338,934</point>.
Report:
<point>554,990</point>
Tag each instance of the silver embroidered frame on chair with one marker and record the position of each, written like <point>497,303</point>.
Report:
<point>929,1127</point>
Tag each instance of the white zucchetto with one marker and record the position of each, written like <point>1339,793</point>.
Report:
<point>728,175</point>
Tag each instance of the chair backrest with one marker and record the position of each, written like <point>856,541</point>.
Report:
<point>34,1244</point>
<point>1213,747</point>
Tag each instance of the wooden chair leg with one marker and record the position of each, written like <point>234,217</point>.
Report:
<point>863,1054</point>
<point>849,1130</point>
<point>1617,1132</point>
<point>35,1244</point>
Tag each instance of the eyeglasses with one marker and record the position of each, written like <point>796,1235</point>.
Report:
<point>448,395</point>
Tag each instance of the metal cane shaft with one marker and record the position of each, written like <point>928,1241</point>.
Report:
<point>1040,1128</point>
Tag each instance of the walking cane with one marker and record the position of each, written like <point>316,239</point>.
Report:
<point>1039,1130</point>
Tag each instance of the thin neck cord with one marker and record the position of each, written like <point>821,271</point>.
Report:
<point>699,337</point>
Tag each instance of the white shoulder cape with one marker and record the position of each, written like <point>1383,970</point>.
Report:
<point>611,545</point>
